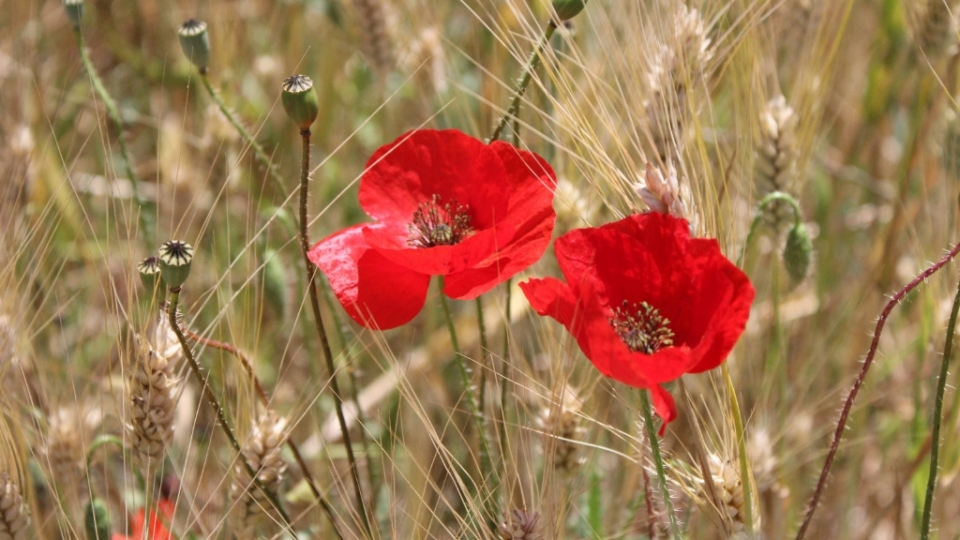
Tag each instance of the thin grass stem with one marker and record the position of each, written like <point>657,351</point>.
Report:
<point>248,369</point>
<point>658,462</point>
<point>937,416</point>
<point>197,371</point>
<point>258,151</point>
<point>145,211</point>
<point>742,457</point>
<point>471,397</point>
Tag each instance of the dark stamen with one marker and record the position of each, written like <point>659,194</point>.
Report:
<point>641,327</point>
<point>435,225</point>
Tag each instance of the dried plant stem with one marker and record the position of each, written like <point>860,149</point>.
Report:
<point>867,362</point>
<point>144,211</point>
<point>524,81</point>
<point>658,462</point>
<point>248,369</point>
<point>741,446</point>
<point>217,408</point>
<point>471,397</point>
<point>937,415</point>
<point>322,332</point>
<point>258,151</point>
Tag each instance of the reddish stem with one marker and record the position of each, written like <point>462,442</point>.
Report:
<point>868,361</point>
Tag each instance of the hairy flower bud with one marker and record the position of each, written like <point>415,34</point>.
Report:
<point>300,100</point>
<point>74,9</point>
<point>797,252</point>
<point>195,42</point>
<point>149,270</point>
<point>96,521</point>
<point>175,259</point>
<point>568,9</point>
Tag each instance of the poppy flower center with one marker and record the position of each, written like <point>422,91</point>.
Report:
<point>439,225</point>
<point>641,327</point>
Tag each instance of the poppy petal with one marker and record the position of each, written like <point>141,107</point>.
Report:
<point>374,291</point>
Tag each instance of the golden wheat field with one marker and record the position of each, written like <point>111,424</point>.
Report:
<point>479,269</point>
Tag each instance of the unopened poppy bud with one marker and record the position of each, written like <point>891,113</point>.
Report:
<point>300,100</point>
<point>96,520</point>
<point>195,42</point>
<point>149,270</point>
<point>797,252</point>
<point>74,10</point>
<point>568,9</point>
<point>175,259</point>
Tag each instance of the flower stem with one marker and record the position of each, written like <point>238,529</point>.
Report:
<point>258,151</point>
<point>658,461</point>
<point>937,414</point>
<point>867,362</point>
<point>741,448</point>
<point>144,210</point>
<point>754,225</point>
<point>471,397</point>
<point>217,408</point>
<point>248,369</point>
<point>322,332</point>
<point>524,81</point>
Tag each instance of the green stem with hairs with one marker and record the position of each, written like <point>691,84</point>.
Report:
<point>742,457</point>
<point>658,462</point>
<point>937,415</point>
<point>755,224</point>
<point>322,332</point>
<point>470,395</point>
<point>258,151</point>
<point>524,81</point>
<point>174,296</point>
<point>262,394</point>
<point>145,214</point>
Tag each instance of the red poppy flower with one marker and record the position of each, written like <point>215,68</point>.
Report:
<point>158,531</point>
<point>445,204</point>
<point>645,302</point>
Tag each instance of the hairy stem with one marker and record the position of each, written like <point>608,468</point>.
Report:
<point>248,369</point>
<point>524,82</point>
<point>658,462</point>
<point>144,210</point>
<point>470,394</point>
<point>741,447</point>
<point>215,403</point>
<point>937,415</point>
<point>868,361</point>
<point>322,332</point>
<point>258,151</point>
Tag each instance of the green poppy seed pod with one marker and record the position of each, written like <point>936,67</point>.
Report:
<point>96,520</point>
<point>74,10</point>
<point>175,259</point>
<point>300,101</point>
<point>568,9</point>
<point>149,270</point>
<point>797,252</point>
<point>195,42</point>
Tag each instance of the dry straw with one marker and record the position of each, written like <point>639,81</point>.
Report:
<point>261,450</point>
<point>934,26</point>
<point>14,520</point>
<point>776,162</point>
<point>562,429</point>
<point>153,393</point>
<point>377,44</point>
<point>677,68</point>
<point>522,525</point>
